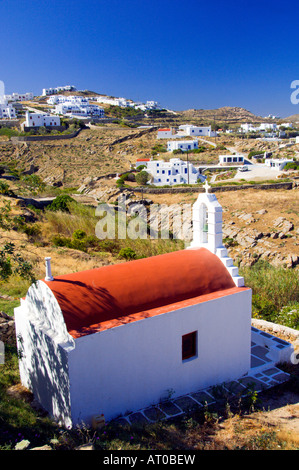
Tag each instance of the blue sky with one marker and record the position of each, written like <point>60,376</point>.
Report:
<point>183,54</point>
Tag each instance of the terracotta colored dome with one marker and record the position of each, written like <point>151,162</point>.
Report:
<point>100,295</point>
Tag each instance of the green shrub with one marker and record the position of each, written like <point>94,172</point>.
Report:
<point>58,240</point>
<point>292,166</point>
<point>127,253</point>
<point>79,234</point>
<point>142,177</point>
<point>31,230</point>
<point>111,246</point>
<point>61,203</point>
<point>4,189</point>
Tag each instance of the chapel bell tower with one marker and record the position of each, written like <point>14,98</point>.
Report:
<point>207,230</point>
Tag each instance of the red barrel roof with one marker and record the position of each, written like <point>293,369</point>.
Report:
<point>102,295</point>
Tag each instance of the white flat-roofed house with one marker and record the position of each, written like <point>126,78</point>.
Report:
<point>231,159</point>
<point>7,111</point>
<point>53,91</point>
<point>175,171</point>
<point>204,131</point>
<point>268,126</point>
<point>166,133</point>
<point>277,163</point>
<point>183,145</point>
<point>121,102</point>
<point>55,99</point>
<point>152,105</point>
<point>19,96</point>
<point>247,127</point>
<point>39,120</point>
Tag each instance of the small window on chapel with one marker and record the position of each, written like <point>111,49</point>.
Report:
<point>189,345</point>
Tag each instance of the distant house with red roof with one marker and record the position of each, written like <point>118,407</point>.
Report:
<point>165,133</point>
<point>116,338</point>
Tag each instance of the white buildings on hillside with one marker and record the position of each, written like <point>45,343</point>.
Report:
<point>19,96</point>
<point>53,91</point>
<point>175,171</point>
<point>184,145</point>
<point>124,103</point>
<point>264,127</point>
<point>39,119</point>
<point>58,99</point>
<point>78,106</point>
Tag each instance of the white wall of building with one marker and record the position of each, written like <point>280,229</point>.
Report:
<point>277,164</point>
<point>53,91</point>
<point>197,130</point>
<point>183,145</point>
<point>164,133</point>
<point>7,111</point>
<point>78,106</point>
<point>142,361</point>
<point>38,120</point>
<point>231,159</point>
<point>19,97</point>
<point>175,171</point>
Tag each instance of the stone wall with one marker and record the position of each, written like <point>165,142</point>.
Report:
<point>37,138</point>
<point>199,189</point>
<point>134,136</point>
<point>7,329</point>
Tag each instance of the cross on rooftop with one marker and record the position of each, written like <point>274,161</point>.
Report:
<point>207,186</point>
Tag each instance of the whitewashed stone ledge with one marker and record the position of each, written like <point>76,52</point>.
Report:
<point>276,328</point>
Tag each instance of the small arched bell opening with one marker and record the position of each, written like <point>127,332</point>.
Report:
<point>203,218</point>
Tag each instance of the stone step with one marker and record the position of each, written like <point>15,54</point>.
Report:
<point>221,252</point>
<point>239,281</point>
<point>227,261</point>
<point>233,270</point>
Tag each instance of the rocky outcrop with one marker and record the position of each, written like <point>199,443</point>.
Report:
<point>249,244</point>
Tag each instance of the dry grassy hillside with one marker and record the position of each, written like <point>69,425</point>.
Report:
<point>92,153</point>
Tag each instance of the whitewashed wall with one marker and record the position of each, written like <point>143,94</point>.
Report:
<point>133,366</point>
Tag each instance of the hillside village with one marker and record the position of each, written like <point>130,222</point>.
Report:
<point>96,149</point>
<point>105,147</point>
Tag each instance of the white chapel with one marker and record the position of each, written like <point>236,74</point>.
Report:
<point>116,338</point>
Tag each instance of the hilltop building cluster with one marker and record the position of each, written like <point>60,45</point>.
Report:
<point>59,89</point>
<point>266,127</point>
<point>78,106</point>
<point>125,103</point>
